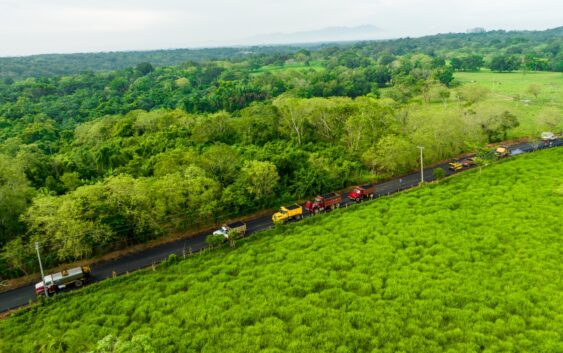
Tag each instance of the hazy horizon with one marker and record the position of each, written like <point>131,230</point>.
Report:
<point>63,26</point>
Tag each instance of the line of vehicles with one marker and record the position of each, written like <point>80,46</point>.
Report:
<point>78,276</point>
<point>469,160</point>
<point>547,140</point>
<point>323,203</point>
<point>228,232</point>
<point>320,204</point>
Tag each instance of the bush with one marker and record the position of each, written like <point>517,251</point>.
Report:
<point>438,173</point>
<point>171,260</point>
<point>214,240</point>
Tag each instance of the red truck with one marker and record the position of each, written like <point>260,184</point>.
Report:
<point>323,203</point>
<point>360,193</point>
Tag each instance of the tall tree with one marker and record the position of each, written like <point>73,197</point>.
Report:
<point>260,178</point>
<point>15,197</point>
<point>293,114</point>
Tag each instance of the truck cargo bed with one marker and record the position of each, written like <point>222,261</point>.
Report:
<point>236,224</point>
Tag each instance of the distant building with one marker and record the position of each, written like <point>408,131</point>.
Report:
<point>476,30</point>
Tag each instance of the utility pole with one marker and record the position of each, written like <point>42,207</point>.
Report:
<point>421,165</point>
<point>46,290</point>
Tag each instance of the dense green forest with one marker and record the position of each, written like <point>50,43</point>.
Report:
<point>471,264</point>
<point>96,161</point>
<point>537,50</point>
<point>47,65</point>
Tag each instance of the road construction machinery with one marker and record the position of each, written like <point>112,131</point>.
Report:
<point>502,152</point>
<point>455,166</point>
<point>461,164</point>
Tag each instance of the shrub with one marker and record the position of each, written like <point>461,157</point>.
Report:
<point>438,173</point>
<point>214,240</point>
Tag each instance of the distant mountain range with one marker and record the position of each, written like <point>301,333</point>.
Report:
<point>328,34</point>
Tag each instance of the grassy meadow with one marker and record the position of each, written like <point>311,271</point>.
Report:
<point>501,92</point>
<point>511,91</point>
<point>472,264</point>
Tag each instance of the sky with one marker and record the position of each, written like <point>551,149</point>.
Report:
<point>68,26</point>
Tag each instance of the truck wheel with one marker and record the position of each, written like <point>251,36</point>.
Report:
<point>78,283</point>
<point>316,211</point>
<point>371,196</point>
<point>337,205</point>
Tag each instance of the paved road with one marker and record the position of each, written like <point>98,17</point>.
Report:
<point>22,296</point>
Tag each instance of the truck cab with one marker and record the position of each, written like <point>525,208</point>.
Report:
<point>223,231</point>
<point>287,213</point>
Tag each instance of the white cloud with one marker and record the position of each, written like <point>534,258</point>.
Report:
<point>39,26</point>
<point>87,20</point>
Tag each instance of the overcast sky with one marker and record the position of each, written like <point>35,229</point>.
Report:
<point>64,26</point>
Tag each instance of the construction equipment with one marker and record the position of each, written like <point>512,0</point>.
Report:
<point>76,276</point>
<point>468,162</point>
<point>323,203</point>
<point>288,213</point>
<point>460,164</point>
<point>502,152</point>
<point>455,166</point>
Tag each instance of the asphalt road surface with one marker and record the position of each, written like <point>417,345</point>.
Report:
<point>23,295</point>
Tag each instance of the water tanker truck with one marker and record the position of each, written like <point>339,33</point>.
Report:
<point>54,282</point>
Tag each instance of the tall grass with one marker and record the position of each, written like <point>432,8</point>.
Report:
<point>472,264</point>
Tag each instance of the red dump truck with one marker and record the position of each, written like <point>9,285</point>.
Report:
<point>76,277</point>
<point>362,192</point>
<point>324,202</point>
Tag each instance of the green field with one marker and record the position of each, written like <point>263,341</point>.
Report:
<point>504,92</point>
<point>472,264</point>
<point>510,91</point>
